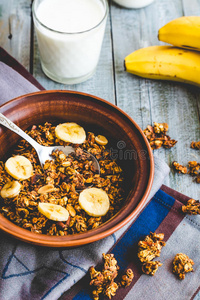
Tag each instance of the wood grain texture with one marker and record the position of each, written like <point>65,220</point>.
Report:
<point>15,24</point>
<point>149,101</point>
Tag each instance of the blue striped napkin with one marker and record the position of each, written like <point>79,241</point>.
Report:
<point>162,215</point>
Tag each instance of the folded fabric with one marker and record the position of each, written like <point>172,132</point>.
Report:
<point>31,272</point>
<point>162,215</point>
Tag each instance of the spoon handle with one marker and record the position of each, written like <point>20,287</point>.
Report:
<point>10,125</point>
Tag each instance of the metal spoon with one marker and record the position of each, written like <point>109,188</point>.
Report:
<point>43,152</point>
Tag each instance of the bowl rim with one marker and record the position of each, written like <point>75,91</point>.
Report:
<point>59,242</point>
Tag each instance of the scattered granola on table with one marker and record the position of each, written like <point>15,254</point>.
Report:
<point>157,136</point>
<point>182,264</point>
<point>127,278</point>
<point>195,145</point>
<point>179,168</point>
<point>148,249</point>
<point>58,185</point>
<point>192,207</point>
<point>194,168</point>
<point>103,282</point>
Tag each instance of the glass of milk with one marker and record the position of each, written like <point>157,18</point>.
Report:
<point>69,35</point>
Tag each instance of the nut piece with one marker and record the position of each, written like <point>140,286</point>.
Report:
<point>71,210</point>
<point>48,188</point>
<point>182,264</point>
<point>192,207</point>
<point>150,267</point>
<point>101,140</point>
<point>179,168</point>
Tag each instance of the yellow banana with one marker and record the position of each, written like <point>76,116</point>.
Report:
<point>183,32</point>
<point>165,63</point>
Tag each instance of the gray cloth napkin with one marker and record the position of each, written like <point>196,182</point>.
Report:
<point>32,272</point>
<point>12,84</point>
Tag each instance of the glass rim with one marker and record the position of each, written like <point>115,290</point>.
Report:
<point>69,33</point>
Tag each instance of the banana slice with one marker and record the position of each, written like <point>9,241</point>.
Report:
<point>19,167</point>
<point>53,211</point>
<point>70,132</point>
<point>11,189</point>
<point>101,140</point>
<point>94,201</point>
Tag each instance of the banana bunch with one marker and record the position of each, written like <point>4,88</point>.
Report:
<point>178,63</point>
<point>183,32</point>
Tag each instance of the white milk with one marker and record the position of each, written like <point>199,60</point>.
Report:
<point>70,34</point>
<point>133,3</point>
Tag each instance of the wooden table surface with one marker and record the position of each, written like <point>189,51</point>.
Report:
<point>146,101</point>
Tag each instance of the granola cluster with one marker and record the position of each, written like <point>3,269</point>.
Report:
<point>157,136</point>
<point>179,168</point>
<point>60,183</point>
<point>195,145</point>
<point>182,264</point>
<point>127,278</point>
<point>193,169</point>
<point>192,207</point>
<point>103,282</point>
<point>148,249</point>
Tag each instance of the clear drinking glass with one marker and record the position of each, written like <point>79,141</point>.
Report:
<point>69,57</point>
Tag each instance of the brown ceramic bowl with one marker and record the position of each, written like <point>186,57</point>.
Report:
<point>126,138</point>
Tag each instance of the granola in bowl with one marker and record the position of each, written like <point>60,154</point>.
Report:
<point>60,184</point>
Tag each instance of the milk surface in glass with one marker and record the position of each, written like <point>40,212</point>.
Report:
<point>69,34</point>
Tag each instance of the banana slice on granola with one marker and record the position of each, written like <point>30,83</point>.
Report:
<point>53,212</point>
<point>11,189</point>
<point>94,201</point>
<point>19,167</point>
<point>101,140</point>
<point>70,132</point>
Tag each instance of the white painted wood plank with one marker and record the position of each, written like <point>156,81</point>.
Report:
<point>102,82</point>
<point>15,22</point>
<point>191,8</point>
